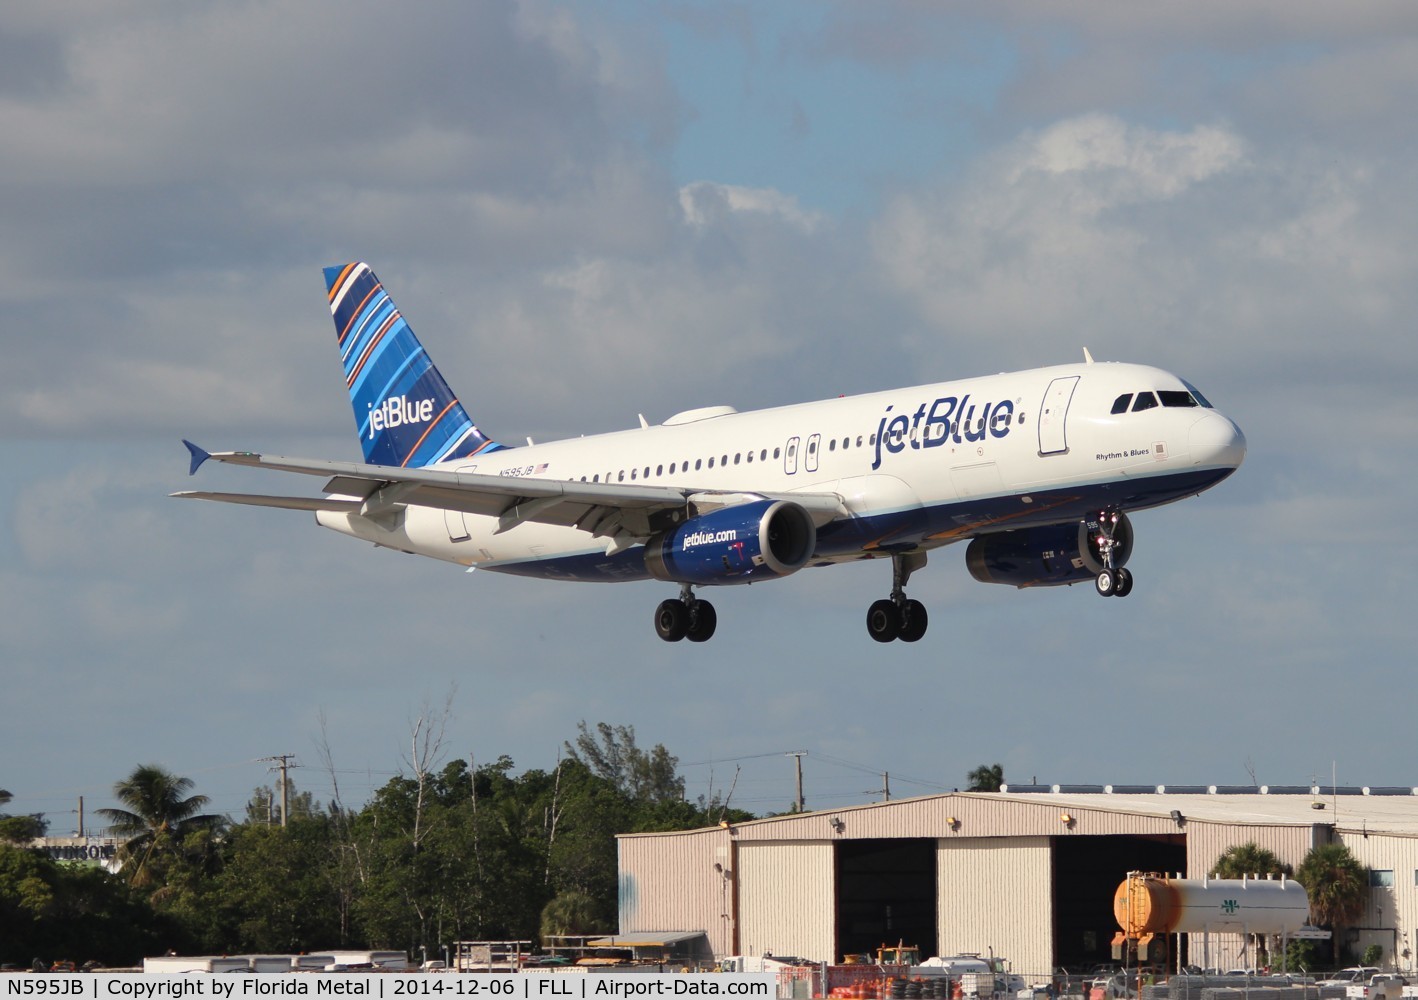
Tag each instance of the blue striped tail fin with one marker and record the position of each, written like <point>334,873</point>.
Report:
<point>406,413</point>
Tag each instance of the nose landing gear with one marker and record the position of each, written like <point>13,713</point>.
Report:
<point>685,617</point>
<point>1111,581</point>
<point>898,617</point>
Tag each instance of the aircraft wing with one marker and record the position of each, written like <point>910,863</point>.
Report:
<point>619,511</point>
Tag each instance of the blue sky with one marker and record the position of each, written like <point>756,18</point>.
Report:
<point>591,211</point>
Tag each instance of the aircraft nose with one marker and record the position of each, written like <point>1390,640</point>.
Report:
<point>1216,440</point>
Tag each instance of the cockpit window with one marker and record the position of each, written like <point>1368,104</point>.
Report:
<point>1145,401</point>
<point>1120,405</point>
<point>1196,394</point>
<point>1176,397</point>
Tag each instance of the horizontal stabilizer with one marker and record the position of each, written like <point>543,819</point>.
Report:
<point>259,500</point>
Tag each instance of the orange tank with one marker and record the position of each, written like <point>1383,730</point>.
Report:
<point>1154,904</point>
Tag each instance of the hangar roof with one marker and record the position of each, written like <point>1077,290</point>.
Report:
<point>1036,807</point>
<point>1384,813</point>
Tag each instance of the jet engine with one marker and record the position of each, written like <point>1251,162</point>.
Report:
<point>1047,557</point>
<point>738,544</point>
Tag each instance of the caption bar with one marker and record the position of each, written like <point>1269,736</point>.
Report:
<point>390,985</point>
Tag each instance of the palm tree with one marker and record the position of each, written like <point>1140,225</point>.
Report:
<point>159,817</point>
<point>986,778</point>
<point>572,912</point>
<point>1250,860</point>
<point>1338,887</point>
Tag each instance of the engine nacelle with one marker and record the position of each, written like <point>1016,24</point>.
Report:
<point>1046,557</point>
<point>739,544</point>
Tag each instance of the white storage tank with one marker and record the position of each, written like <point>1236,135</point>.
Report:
<point>1154,904</point>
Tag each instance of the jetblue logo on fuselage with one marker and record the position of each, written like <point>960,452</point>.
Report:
<point>947,419</point>
<point>397,412</point>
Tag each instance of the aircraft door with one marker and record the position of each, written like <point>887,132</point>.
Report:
<point>814,444</point>
<point>453,519</point>
<point>1053,412</point>
<point>790,456</point>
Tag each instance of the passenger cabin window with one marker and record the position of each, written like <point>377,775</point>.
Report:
<point>1120,405</point>
<point>1175,397</point>
<point>1145,401</point>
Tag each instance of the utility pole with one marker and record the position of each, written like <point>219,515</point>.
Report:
<point>885,788</point>
<point>282,762</point>
<point>798,756</point>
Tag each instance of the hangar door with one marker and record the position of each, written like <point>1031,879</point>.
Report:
<point>785,899</point>
<point>886,894</point>
<point>994,898</point>
<point>1087,871</point>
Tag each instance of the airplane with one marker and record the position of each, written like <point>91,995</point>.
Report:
<point>1037,471</point>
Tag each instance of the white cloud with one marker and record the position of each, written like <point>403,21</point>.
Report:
<point>1132,162</point>
<point>704,201</point>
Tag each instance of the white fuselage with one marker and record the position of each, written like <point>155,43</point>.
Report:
<point>915,467</point>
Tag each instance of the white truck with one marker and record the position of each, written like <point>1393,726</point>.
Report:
<point>1380,986</point>
<point>978,977</point>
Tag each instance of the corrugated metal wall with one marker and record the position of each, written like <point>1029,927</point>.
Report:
<point>995,896</point>
<point>669,883</point>
<point>1206,842</point>
<point>973,815</point>
<point>1392,917</point>
<point>787,899</point>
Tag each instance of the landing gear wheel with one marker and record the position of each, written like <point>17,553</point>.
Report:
<point>702,621</point>
<point>1123,585</point>
<point>672,620</point>
<point>913,621</point>
<point>1107,583</point>
<point>883,621</point>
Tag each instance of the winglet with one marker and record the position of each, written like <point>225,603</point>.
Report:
<point>1088,358</point>
<point>199,455</point>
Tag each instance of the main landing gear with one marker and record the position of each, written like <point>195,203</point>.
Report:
<point>1111,581</point>
<point>685,617</point>
<point>897,617</point>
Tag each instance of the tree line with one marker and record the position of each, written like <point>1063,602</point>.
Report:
<point>446,852</point>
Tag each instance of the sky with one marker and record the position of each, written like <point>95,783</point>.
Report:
<point>590,211</point>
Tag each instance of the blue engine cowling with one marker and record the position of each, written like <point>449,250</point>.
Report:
<point>739,544</point>
<point>1046,557</point>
